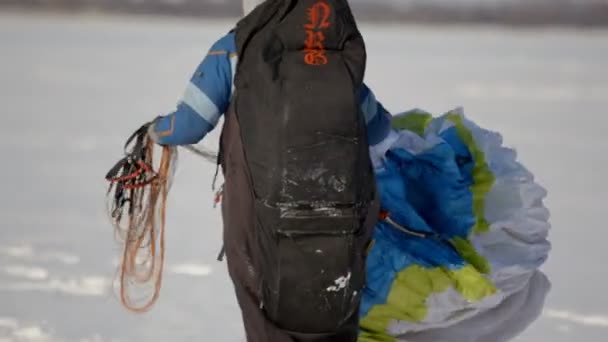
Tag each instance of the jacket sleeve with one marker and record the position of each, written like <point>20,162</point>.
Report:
<point>378,119</point>
<point>205,99</point>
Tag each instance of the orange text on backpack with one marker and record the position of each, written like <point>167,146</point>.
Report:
<point>318,20</point>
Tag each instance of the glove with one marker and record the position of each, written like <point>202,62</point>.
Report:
<point>152,133</point>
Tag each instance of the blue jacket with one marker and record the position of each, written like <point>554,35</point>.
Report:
<point>208,95</point>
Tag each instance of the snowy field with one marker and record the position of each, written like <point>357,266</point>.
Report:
<point>73,87</point>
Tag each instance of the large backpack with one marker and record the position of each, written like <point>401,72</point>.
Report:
<point>304,145</point>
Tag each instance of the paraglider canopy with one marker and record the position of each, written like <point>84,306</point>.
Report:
<point>249,5</point>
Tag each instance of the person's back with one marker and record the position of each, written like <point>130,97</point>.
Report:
<point>299,195</point>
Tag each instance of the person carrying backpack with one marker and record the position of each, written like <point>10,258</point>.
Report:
<point>299,200</point>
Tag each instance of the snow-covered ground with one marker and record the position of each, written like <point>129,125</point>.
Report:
<point>73,87</point>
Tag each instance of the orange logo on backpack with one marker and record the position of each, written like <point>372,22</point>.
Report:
<point>318,20</point>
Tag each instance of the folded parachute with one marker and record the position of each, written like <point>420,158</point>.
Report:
<point>470,271</point>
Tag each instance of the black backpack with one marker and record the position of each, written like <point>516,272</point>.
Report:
<point>301,66</point>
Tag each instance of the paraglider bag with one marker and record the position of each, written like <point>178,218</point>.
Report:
<point>304,140</point>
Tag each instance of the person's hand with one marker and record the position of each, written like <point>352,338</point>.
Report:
<point>152,133</point>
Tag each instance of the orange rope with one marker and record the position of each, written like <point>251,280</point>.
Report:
<point>141,231</point>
